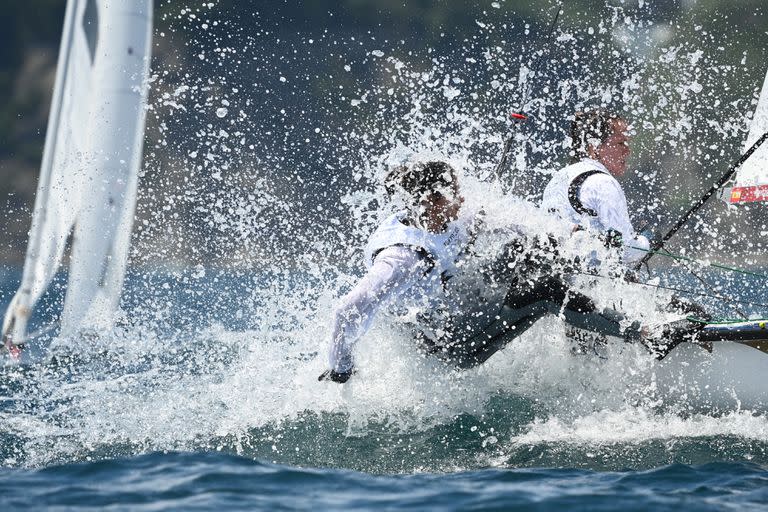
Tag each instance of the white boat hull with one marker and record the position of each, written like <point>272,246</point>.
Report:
<point>732,376</point>
<point>716,376</point>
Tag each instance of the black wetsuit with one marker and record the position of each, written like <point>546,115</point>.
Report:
<point>536,285</point>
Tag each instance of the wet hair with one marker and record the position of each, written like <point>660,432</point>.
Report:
<point>590,128</point>
<point>419,180</point>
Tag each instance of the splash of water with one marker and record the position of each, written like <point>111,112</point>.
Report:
<point>264,158</point>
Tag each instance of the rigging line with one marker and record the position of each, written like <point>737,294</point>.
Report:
<point>703,199</point>
<point>708,286</point>
<point>673,289</point>
<point>682,262</point>
<point>518,117</point>
<point>710,289</point>
<point>664,252</point>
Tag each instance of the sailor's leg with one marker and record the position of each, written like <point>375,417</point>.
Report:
<point>526,303</point>
<point>524,308</point>
<point>608,322</point>
<point>687,307</point>
<point>580,312</point>
<point>476,350</point>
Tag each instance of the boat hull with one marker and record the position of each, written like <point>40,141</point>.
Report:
<point>721,376</point>
<point>724,370</point>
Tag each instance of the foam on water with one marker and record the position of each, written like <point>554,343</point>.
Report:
<point>256,394</point>
<point>636,425</point>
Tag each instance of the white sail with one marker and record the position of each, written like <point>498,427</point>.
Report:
<point>113,158</point>
<point>92,153</point>
<point>751,183</point>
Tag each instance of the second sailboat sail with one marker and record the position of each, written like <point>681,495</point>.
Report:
<point>91,159</point>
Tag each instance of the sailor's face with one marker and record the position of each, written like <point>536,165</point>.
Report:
<point>614,152</point>
<point>443,205</point>
<point>449,206</point>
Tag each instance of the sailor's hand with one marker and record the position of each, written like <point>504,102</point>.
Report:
<point>340,377</point>
<point>653,237</point>
<point>612,239</point>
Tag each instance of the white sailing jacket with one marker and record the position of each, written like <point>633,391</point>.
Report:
<point>441,249</point>
<point>401,258</point>
<point>603,204</point>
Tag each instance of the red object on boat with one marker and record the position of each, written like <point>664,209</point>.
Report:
<point>754,194</point>
<point>14,351</point>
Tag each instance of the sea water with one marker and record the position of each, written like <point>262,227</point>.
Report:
<point>195,408</point>
<point>208,481</point>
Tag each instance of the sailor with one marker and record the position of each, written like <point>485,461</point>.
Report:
<point>414,255</point>
<point>414,252</point>
<point>587,194</point>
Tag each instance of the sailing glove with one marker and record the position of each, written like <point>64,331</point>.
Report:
<point>340,377</point>
<point>653,237</point>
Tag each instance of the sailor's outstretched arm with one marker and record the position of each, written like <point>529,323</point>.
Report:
<point>604,195</point>
<point>394,271</point>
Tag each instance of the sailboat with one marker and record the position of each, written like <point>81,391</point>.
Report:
<point>89,172</point>
<point>723,365</point>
